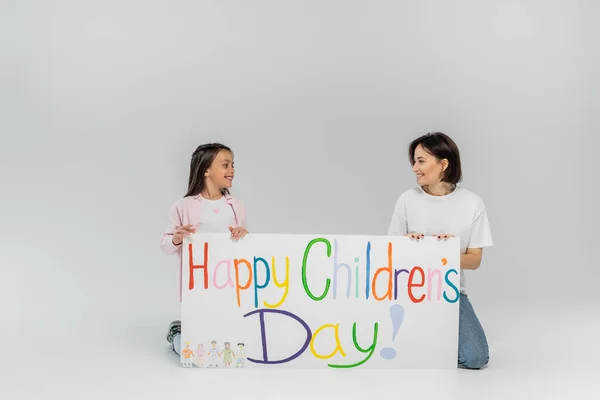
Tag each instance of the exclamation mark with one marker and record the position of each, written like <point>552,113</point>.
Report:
<point>397,316</point>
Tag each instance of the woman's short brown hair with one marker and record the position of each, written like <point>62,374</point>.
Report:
<point>440,145</point>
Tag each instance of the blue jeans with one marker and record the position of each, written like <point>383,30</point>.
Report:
<point>473,351</point>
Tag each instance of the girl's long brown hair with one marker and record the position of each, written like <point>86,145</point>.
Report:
<point>202,158</point>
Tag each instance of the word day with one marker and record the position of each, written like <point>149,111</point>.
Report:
<point>280,295</point>
<point>380,283</point>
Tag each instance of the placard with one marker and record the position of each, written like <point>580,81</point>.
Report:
<point>319,301</point>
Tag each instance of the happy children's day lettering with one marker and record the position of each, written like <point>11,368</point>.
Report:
<point>319,269</point>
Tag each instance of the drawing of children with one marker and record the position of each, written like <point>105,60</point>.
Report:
<point>241,358</point>
<point>187,355</point>
<point>213,355</point>
<point>200,355</point>
<point>227,353</point>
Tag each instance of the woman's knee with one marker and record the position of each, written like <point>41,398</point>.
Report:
<point>473,350</point>
<point>474,357</point>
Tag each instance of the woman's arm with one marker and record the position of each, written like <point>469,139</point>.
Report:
<point>398,224</point>
<point>481,237</point>
<point>471,259</point>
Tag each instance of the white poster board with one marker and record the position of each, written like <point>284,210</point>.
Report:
<point>306,301</point>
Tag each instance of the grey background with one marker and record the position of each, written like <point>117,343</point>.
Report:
<point>102,104</point>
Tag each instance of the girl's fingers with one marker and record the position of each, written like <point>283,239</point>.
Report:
<point>238,233</point>
<point>186,229</point>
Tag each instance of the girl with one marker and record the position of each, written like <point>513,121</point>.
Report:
<point>206,207</point>
<point>228,354</point>
<point>200,355</point>
<point>437,207</point>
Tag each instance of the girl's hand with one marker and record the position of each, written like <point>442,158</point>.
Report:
<point>443,236</point>
<point>237,233</point>
<point>417,236</point>
<point>181,232</point>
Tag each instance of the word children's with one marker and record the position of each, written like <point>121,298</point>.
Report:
<point>305,301</point>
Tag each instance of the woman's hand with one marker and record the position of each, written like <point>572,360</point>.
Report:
<point>181,232</point>
<point>415,236</point>
<point>238,233</point>
<point>419,236</point>
<point>443,236</point>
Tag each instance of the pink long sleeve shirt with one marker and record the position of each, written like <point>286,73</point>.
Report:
<point>188,210</point>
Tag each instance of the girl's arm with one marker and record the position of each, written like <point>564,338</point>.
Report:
<point>243,222</point>
<point>166,241</point>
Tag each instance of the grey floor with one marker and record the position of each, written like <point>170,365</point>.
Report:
<point>550,354</point>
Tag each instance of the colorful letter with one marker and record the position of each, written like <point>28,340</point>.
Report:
<point>203,266</point>
<point>285,284</point>
<point>265,359</point>
<point>304,280</point>
<point>369,349</point>
<point>338,346</point>
<point>356,281</point>
<point>388,270</point>
<point>229,280</point>
<point>236,264</point>
<point>452,286</point>
<point>430,276</point>
<point>396,273</point>
<point>267,279</point>
<point>336,267</point>
<point>411,284</point>
<point>368,271</point>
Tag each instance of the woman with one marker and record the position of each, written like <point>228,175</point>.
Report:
<point>437,207</point>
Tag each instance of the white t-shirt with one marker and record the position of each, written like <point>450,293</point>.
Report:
<point>460,213</point>
<point>216,216</point>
